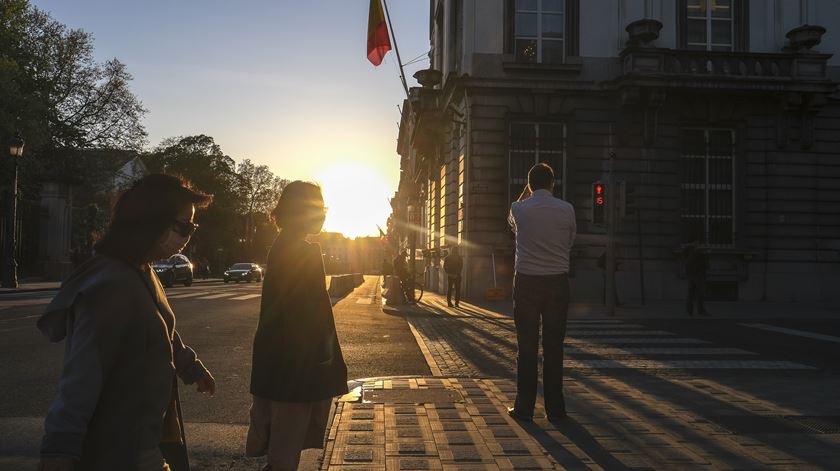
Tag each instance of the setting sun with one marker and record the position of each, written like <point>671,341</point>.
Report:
<point>356,197</point>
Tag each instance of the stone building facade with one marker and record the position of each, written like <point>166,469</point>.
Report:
<point>723,117</point>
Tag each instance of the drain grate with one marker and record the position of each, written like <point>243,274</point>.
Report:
<point>757,424</point>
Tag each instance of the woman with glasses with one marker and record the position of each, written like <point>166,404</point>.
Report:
<point>117,402</point>
<point>298,367</point>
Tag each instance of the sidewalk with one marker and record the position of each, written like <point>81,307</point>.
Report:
<point>634,401</point>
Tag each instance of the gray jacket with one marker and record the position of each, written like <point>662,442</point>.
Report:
<point>117,393</point>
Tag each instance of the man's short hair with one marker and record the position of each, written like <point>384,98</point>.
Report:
<point>540,177</point>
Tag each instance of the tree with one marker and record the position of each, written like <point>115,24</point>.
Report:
<point>55,92</point>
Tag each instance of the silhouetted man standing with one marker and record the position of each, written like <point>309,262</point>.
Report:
<point>401,272</point>
<point>545,232</point>
<point>452,265</point>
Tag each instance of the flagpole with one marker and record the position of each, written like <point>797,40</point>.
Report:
<point>396,48</point>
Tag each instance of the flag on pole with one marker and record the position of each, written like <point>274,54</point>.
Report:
<point>378,42</point>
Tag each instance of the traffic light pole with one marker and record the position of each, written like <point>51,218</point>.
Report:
<point>611,223</point>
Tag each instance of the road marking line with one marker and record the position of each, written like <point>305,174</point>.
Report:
<point>217,296</point>
<point>187,295</point>
<point>688,364</point>
<point>578,332</point>
<point>424,349</point>
<point>246,297</point>
<point>799,333</point>
<point>610,340</point>
<point>580,348</point>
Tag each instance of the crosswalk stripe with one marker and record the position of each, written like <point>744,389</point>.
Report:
<point>246,297</point>
<point>576,332</point>
<point>218,296</point>
<point>636,340</point>
<point>595,350</point>
<point>798,333</point>
<point>186,295</point>
<point>644,364</point>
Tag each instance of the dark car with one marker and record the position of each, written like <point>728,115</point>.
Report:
<point>175,269</point>
<point>244,272</point>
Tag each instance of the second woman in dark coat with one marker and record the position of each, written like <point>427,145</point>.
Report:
<point>297,367</point>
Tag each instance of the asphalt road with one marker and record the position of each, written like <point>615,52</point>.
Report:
<point>219,322</point>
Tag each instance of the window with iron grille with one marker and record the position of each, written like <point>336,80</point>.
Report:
<point>708,181</point>
<point>531,143</point>
<point>539,31</point>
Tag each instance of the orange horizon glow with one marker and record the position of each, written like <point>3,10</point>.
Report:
<point>357,199</point>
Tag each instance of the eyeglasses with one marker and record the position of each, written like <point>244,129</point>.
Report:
<point>185,229</point>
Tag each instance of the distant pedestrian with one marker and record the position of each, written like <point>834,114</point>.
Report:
<point>696,266</point>
<point>545,232</point>
<point>453,264</point>
<point>117,405</point>
<point>401,272</point>
<point>298,367</point>
<point>602,264</point>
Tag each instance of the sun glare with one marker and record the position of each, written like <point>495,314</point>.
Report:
<point>357,199</point>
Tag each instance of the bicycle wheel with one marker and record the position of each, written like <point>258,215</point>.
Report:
<point>418,292</point>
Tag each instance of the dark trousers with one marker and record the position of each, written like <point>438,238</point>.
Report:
<point>696,295</point>
<point>453,284</point>
<point>536,298</point>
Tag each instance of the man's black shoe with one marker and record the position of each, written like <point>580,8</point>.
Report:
<point>449,304</point>
<point>556,417</point>
<point>519,416</point>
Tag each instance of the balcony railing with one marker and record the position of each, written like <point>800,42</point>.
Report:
<point>670,63</point>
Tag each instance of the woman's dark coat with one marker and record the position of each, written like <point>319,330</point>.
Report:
<point>121,356</point>
<point>297,357</point>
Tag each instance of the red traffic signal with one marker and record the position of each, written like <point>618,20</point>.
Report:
<point>599,199</point>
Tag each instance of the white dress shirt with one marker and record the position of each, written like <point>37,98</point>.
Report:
<point>545,232</point>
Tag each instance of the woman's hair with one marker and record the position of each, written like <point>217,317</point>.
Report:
<point>297,197</point>
<point>143,213</point>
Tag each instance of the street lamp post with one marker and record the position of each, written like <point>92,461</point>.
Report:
<point>9,262</point>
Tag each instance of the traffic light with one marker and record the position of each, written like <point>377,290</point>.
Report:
<point>629,200</point>
<point>599,201</point>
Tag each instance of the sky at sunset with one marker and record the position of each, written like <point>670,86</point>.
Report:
<point>283,83</point>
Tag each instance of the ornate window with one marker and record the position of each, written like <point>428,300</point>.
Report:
<point>713,25</point>
<point>542,31</point>
<point>707,211</point>
<point>531,143</point>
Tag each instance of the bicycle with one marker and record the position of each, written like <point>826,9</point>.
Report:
<point>419,287</point>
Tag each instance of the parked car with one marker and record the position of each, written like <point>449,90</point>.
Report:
<point>243,272</point>
<point>174,269</point>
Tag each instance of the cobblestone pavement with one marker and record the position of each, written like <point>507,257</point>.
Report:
<point>638,398</point>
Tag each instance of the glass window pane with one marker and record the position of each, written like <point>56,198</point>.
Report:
<point>551,137</point>
<point>720,171</point>
<point>526,5</point>
<point>722,32</point>
<point>552,51</point>
<point>553,5</point>
<point>693,202</point>
<point>696,31</point>
<point>720,202</point>
<point>553,26</point>
<point>526,50</point>
<point>520,163</point>
<point>523,136</point>
<point>526,24</point>
<point>722,8</point>
<point>694,170</point>
<point>696,7</point>
<point>720,231</point>
<point>720,142</point>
